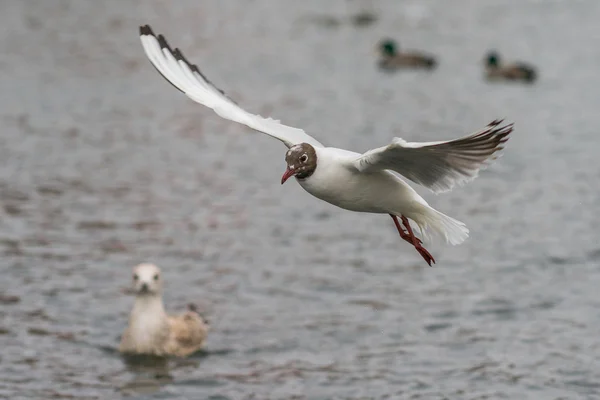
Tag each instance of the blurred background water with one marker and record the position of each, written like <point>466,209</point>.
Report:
<point>104,165</point>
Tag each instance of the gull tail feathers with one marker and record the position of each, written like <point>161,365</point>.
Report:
<point>433,224</point>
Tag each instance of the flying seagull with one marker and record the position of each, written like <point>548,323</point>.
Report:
<point>367,182</point>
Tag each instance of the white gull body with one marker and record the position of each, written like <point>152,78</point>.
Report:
<point>337,181</point>
<point>367,182</point>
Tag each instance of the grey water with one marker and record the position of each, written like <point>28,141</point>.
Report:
<point>104,165</point>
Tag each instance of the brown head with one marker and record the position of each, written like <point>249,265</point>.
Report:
<point>301,161</point>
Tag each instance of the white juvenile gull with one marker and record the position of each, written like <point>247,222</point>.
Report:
<point>150,330</point>
<point>367,182</point>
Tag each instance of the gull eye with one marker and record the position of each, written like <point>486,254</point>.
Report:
<point>303,158</point>
<point>135,277</point>
<point>156,277</point>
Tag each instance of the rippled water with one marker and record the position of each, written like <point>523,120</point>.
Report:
<point>105,165</point>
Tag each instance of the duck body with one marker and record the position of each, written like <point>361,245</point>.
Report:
<point>412,60</point>
<point>391,59</point>
<point>517,71</point>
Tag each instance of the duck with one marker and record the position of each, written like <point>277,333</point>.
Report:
<point>151,331</point>
<point>517,71</point>
<point>392,59</point>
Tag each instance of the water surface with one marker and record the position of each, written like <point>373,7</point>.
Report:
<point>105,165</point>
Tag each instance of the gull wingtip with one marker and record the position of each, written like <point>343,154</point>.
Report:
<point>503,130</point>
<point>145,30</point>
<point>179,57</point>
<point>500,121</point>
<point>163,42</point>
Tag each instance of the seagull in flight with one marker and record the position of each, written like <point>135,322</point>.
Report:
<point>367,182</point>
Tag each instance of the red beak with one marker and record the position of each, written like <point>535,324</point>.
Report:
<point>287,174</point>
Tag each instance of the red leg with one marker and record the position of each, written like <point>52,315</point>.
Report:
<point>403,234</point>
<point>412,239</point>
<point>417,243</point>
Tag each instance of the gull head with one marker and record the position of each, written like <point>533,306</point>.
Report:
<point>301,162</point>
<point>147,280</point>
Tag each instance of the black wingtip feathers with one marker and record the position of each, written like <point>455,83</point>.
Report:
<point>145,30</point>
<point>178,55</point>
<point>164,44</point>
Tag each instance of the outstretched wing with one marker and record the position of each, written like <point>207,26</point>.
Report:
<point>438,165</point>
<point>174,67</point>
